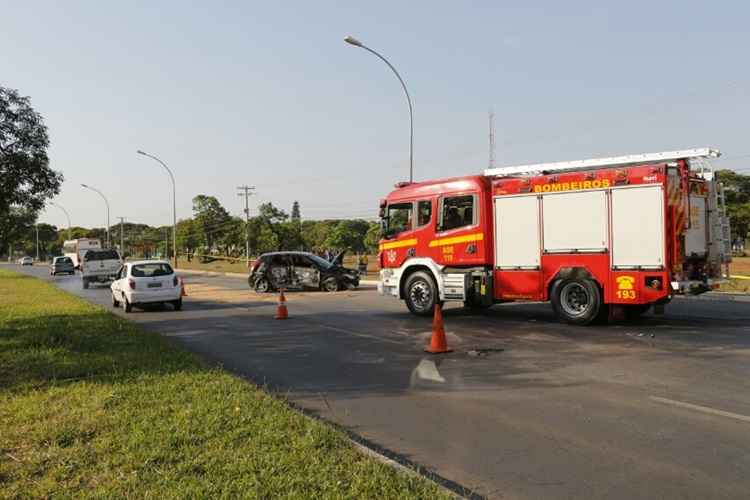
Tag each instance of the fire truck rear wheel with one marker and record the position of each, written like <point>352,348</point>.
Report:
<point>576,301</point>
<point>421,293</point>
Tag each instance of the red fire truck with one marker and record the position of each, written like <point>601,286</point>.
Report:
<point>597,238</point>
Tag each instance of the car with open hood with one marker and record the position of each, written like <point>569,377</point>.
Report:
<point>300,271</point>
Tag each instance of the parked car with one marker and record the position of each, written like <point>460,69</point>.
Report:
<point>146,282</point>
<point>100,266</point>
<point>26,261</point>
<point>62,265</point>
<point>299,270</point>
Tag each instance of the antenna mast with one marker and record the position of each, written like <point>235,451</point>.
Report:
<point>491,116</point>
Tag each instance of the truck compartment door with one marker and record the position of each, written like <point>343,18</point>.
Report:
<point>575,222</point>
<point>638,234</point>
<point>517,232</point>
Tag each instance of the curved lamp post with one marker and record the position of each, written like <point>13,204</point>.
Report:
<point>106,203</point>
<point>353,41</point>
<point>174,204</point>
<point>66,215</point>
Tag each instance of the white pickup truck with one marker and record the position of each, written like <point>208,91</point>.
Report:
<point>100,266</point>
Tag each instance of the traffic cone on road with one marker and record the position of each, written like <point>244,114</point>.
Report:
<point>438,343</point>
<point>183,292</point>
<point>281,312</point>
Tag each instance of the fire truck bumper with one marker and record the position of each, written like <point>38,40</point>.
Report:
<point>388,284</point>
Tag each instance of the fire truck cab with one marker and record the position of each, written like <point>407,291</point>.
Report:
<point>607,236</point>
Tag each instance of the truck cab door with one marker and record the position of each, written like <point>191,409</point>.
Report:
<point>459,236</point>
<point>400,241</point>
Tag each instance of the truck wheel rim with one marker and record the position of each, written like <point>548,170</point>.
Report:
<point>574,299</point>
<point>421,295</point>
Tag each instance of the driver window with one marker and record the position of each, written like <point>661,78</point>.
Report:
<point>400,218</point>
<point>424,212</point>
<point>458,211</point>
<point>301,261</point>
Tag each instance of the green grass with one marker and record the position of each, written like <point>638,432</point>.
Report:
<point>93,406</point>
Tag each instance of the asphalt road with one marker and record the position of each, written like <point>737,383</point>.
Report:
<point>659,408</point>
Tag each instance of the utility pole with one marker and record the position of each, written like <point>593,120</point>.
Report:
<point>37,242</point>
<point>246,193</point>
<point>166,242</point>
<point>122,236</point>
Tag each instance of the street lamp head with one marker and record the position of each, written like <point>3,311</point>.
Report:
<point>84,185</point>
<point>140,152</point>
<point>353,41</point>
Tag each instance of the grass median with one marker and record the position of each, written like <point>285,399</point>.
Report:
<point>93,406</point>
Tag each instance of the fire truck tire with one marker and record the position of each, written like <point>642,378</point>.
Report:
<point>576,301</point>
<point>421,293</point>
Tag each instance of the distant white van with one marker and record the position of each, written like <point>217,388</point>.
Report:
<point>76,249</point>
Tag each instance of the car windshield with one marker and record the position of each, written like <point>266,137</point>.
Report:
<point>151,270</point>
<point>63,260</point>
<point>101,255</point>
<point>320,261</point>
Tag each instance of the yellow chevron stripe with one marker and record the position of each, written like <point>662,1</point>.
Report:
<point>457,239</point>
<point>398,244</point>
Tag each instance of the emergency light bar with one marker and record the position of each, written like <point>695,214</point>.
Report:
<point>612,161</point>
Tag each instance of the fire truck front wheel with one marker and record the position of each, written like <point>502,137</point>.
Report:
<point>576,301</point>
<point>421,293</point>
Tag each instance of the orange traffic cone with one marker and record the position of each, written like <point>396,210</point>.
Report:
<point>281,312</point>
<point>183,292</point>
<point>438,343</point>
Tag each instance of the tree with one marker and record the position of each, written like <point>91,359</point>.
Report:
<point>296,216</point>
<point>372,238</point>
<point>348,235</point>
<point>272,219</point>
<point>188,236</point>
<point>26,180</point>
<point>737,196</point>
<point>210,217</point>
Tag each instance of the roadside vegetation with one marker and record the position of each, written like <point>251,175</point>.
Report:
<point>93,406</point>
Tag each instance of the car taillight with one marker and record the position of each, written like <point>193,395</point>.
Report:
<point>175,281</point>
<point>131,283</point>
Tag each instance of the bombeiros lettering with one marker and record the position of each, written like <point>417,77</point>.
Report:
<point>555,187</point>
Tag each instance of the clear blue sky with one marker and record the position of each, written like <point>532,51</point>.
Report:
<point>268,94</point>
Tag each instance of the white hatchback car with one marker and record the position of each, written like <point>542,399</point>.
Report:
<point>146,282</point>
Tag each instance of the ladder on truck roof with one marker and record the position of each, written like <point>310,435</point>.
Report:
<point>613,161</point>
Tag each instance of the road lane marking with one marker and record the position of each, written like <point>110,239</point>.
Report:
<point>702,409</point>
<point>357,334</point>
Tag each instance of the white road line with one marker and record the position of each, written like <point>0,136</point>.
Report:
<point>357,334</point>
<point>703,409</point>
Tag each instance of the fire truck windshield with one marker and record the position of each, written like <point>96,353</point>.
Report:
<point>398,219</point>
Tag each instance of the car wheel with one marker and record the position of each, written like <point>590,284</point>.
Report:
<point>421,294</point>
<point>330,284</point>
<point>576,301</point>
<point>115,302</point>
<point>85,284</point>
<point>262,285</point>
<point>126,306</point>
<point>177,304</point>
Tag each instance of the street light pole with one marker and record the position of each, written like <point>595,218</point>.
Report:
<point>66,216</point>
<point>353,41</point>
<point>37,241</point>
<point>174,204</point>
<point>122,236</point>
<point>105,202</point>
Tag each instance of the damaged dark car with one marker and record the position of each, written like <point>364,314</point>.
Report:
<point>300,271</point>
